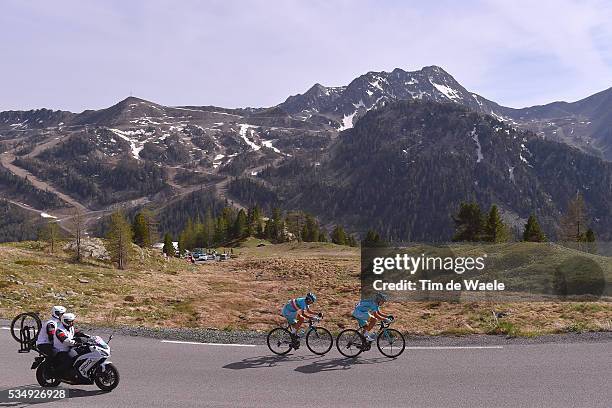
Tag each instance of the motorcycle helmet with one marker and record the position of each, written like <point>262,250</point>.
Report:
<point>57,312</point>
<point>68,319</point>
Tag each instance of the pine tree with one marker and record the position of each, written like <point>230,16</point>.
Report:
<point>338,236</point>
<point>168,247</point>
<point>351,241</point>
<point>220,230</point>
<point>469,223</point>
<point>140,231</point>
<point>269,231</point>
<point>278,225</point>
<point>371,240</point>
<point>152,225</point>
<point>495,229</point>
<point>310,231</point>
<point>119,239</point>
<point>189,235</point>
<point>239,229</point>
<point>533,232</point>
<point>589,236</point>
<point>208,229</point>
<point>255,222</point>
<point>181,244</point>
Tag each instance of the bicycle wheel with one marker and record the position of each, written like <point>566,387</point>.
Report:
<point>319,340</point>
<point>31,321</point>
<point>279,341</point>
<point>391,343</point>
<point>350,343</point>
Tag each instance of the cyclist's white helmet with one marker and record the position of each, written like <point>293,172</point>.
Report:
<point>68,319</point>
<point>57,311</point>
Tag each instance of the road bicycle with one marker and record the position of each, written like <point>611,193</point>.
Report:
<point>390,342</point>
<point>24,329</point>
<point>318,339</point>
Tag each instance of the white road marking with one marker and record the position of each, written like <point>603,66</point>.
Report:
<point>207,344</point>
<point>454,347</point>
<point>5,328</point>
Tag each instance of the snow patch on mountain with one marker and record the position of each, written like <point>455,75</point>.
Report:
<point>474,136</point>
<point>347,122</point>
<point>268,144</point>
<point>450,93</point>
<point>136,145</point>
<point>244,130</point>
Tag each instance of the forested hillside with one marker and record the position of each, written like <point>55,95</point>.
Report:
<point>404,169</point>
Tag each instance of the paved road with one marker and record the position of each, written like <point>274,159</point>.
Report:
<point>167,374</point>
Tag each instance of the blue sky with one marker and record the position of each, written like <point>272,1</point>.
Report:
<point>77,55</point>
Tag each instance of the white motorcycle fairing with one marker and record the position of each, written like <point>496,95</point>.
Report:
<point>89,357</point>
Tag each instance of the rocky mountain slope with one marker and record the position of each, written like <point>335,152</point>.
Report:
<point>403,169</point>
<point>137,152</point>
<point>586,124</point>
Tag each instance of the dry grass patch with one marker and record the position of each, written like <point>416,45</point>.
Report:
<point>249,291</point>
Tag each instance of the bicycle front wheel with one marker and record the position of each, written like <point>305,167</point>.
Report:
<point>319,340</point>
<point>391,343</point>
<point>279,341</point>
<point>350,343</point>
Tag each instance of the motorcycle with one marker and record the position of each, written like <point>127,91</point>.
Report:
<point>91,364</point>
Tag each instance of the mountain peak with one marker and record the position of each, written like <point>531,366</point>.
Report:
<point>377,88</point>
<point>133,99</point>
<point>434,68</point>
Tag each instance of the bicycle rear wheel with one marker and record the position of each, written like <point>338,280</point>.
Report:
<point>28,322</point>
<point>319,340</point>
<point>279,341</point>
<point>391,343</point>
<point>350,343</point>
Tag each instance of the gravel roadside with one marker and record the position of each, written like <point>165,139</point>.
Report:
<point>252,337</point>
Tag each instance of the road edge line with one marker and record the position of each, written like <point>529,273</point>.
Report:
<point>208,344</point>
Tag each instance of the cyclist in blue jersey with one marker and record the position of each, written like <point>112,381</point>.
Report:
<point>367,312</point>
<point>297,310</point>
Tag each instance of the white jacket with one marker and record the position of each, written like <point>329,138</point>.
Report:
<point>64,338</point>
<point>46,335</point>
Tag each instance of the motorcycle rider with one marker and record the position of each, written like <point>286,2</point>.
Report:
<point>44,341</point>
<point>65,338</point>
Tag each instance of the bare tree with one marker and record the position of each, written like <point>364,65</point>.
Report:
<point>573,223</point>
<point>50,233</point>
<point>78,231</point>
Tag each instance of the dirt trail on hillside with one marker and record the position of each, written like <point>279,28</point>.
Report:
<point>6,159</point>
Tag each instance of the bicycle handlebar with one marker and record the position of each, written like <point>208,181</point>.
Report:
<point>384,324</point>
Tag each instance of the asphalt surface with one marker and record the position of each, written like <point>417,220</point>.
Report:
<point>171,373</point>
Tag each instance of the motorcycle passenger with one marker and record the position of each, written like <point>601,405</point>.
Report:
<point>44,341</point>
<point>367,312</point>
<point>65,338</point>
<point>297,310</point>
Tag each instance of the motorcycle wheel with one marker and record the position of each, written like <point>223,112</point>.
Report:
<point>44,379</point>
<point>107,380</point>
